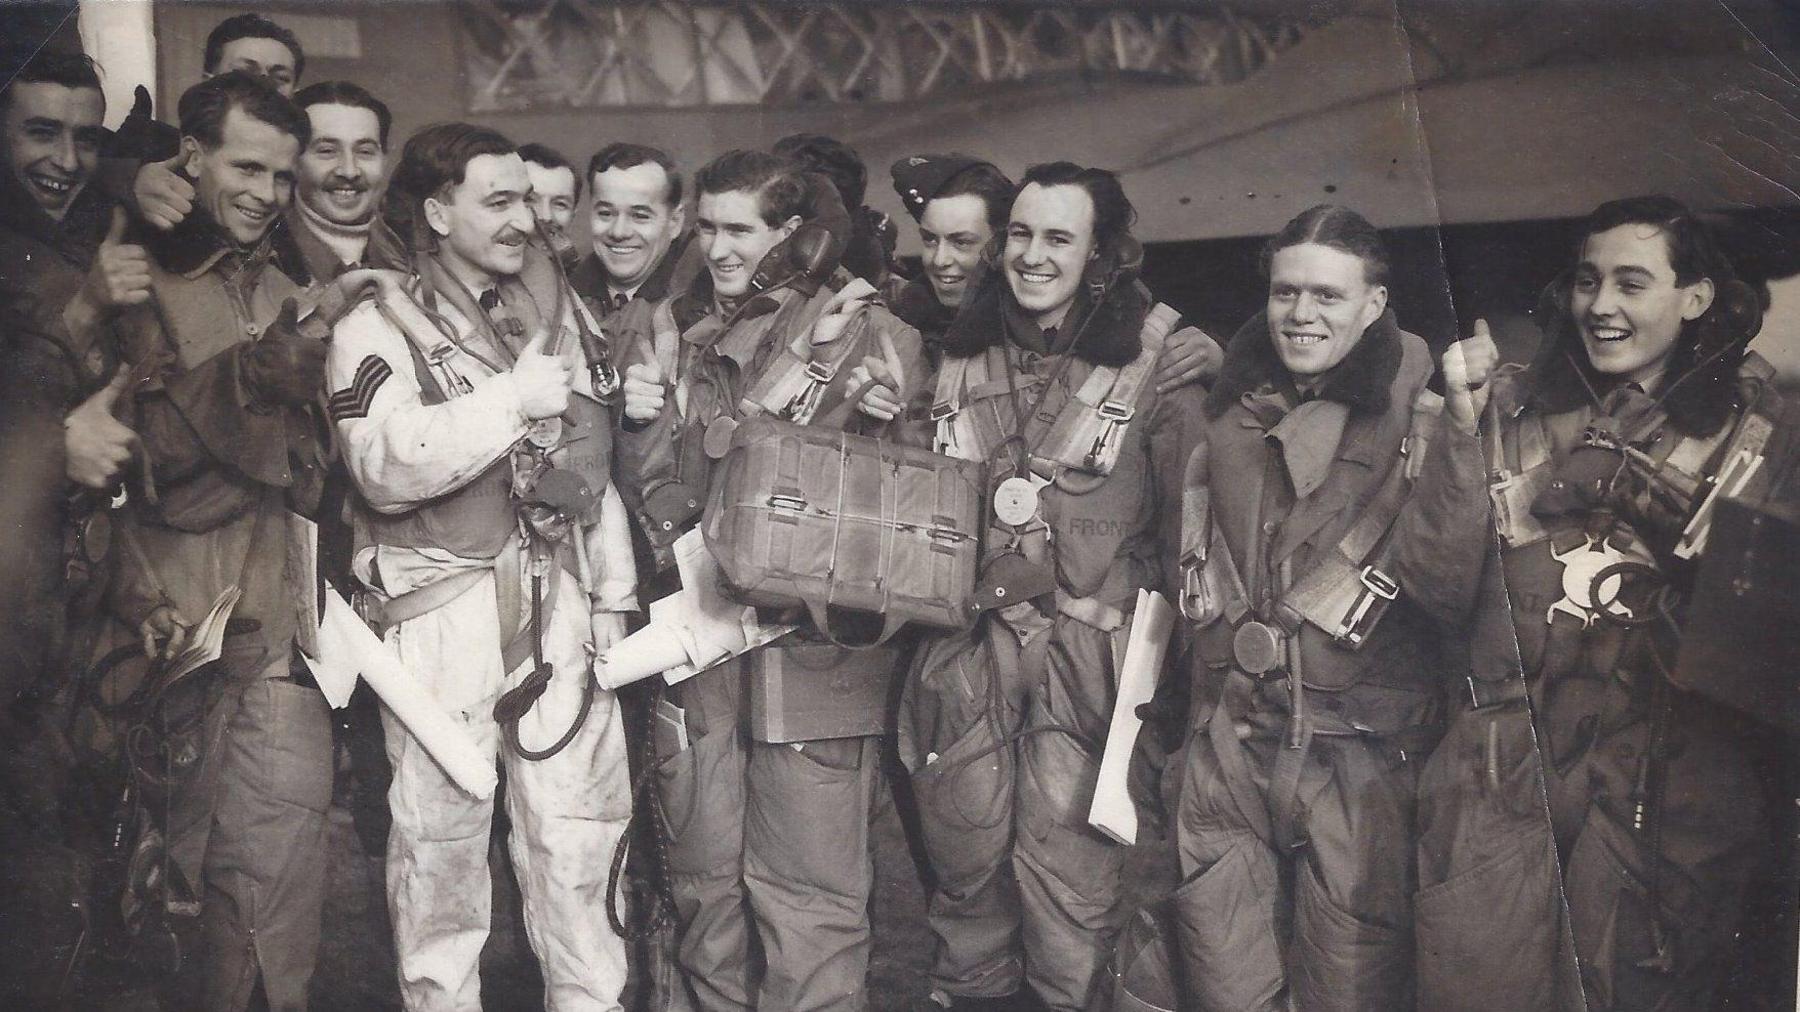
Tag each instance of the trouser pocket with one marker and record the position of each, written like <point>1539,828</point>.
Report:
<point>965,801</point>
<point>1488,938</point>
<point>1343,961</point>
<point>1225,919</point>
<point>703,804</point>
<point>1644,941</point>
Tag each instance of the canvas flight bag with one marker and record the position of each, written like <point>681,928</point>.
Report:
<point>834,523</point>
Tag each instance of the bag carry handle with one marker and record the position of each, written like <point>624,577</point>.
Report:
<point>820,612</point>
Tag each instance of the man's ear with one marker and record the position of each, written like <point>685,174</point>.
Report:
<point>191,148</point>
<point>1697,298</point>
<point>788,226</point>
<point>678,219</point>
<point>437,216</point>
<point>1373,308</point>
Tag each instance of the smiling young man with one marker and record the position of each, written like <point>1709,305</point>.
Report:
<point>462,404</point>
<point>341,174</point>
<point>637,225</point>
<point>1298,809</point>
<point>1029,900</point>
<point>773,853</point>
<point>61,446</point>
<point>223,406</point>
<point>1642,397</point>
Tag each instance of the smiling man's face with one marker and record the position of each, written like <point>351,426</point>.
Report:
<point>485,219</point>
<point>1320,304</point>
<point>248,180</point>
<point>633,223</point>
<point>1628,304</point>
<point>344,163</point>
<point>730,229</point>
<point>52,136</point>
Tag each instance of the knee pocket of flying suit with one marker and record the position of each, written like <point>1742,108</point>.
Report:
<point>966,807</point>
<point>703,804</point>
<point>1055,789</point>
<point>1225,919</point>
<point>1489,938</point>
<point>1342,960</point>
<point>1616,923</point>
<point>807,822</point>
<point>289,760</point>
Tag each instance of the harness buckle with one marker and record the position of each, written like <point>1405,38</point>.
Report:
<point>1377,585</point>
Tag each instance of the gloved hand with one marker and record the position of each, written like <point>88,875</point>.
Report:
<point>284,367</point>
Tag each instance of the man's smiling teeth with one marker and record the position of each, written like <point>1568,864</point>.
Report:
<point>621,251</point>
<point>1609,333</point>
<point>1035,278</point>
<point>1305,340</point>
<point>252,214</point>
<point>53,185</point>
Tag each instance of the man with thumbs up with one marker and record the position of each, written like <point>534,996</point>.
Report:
<point>226,379</point>
<point>1339,511</point>
<point>462,401</point>
<point>60,447</point>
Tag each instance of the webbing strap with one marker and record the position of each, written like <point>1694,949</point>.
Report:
<point>1329,593</point>
<point>1089,431</point>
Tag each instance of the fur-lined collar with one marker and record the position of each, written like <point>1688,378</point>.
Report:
<point>917,305</point>
<point>1363,381</point>
<point>198,243</point>
<point>1705,373</point>
<point>1109,334</point>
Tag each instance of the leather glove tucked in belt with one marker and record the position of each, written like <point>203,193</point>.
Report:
<point>284,366</point>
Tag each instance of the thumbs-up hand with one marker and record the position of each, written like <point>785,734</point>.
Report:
<point>120,273</point>
<point>285,366</point>
<point>96,446</point>
<point>880,378</point>
<point>1468,365</point>
<point>644,391</point>
<point>542,380</point>
<point>163,197</point>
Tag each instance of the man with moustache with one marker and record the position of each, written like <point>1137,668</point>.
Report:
<point>1330,560</point>
<point>224,382</point>
<point>462,404</point>
<point>341,174</point>
<point>1029,898</point>
<point>770,850</point>
<point>637,227</point>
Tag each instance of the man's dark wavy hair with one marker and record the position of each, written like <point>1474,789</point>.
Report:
<point>780,191</point>
<point>625,155</point>
<point>250,26</point>
<point>203,108</point>
<point>434,161</point>
<point>49,66</point>
<point>347,93</point>
<point>1113,213</point>
<point>831,158</point>
<point>548,157</point>
<point>1699,384</point>
<point>990,184</point>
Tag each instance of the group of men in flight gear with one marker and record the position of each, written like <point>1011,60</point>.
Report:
<point>299,373</point>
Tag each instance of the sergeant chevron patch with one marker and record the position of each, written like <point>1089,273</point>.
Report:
<point>353,401</point>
